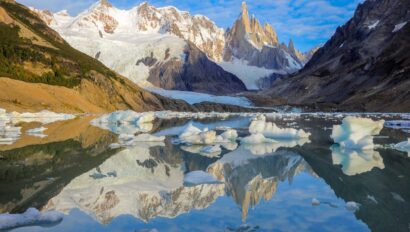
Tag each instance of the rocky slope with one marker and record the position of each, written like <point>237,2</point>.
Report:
<point>364,66</point>
<point>39,70</point>
<point>138,42</point>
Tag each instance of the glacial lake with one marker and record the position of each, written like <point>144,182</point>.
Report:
<point>291,185</point>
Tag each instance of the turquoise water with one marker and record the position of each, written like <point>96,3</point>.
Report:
<point>141,188</point>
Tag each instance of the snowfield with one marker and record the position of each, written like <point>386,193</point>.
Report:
<point>248,74</point>
<point>193,97</point>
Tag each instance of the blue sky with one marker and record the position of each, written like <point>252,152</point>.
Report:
<point>307,22</point>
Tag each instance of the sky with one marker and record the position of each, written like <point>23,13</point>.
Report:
<point>307,22</point>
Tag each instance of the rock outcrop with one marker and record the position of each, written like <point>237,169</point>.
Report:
<point>364,66</point>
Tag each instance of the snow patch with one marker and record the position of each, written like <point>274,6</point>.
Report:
<point>399,26</point>
<point>193,97</point>
<point>373,25</point>
<point>248,74</point>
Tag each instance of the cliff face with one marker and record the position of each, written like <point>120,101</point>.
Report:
<point>364,66</point>
<point>259,45</point>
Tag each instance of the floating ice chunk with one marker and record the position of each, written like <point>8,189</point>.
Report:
<point>356,133</point>
<point>229,135</point>
<point>212,149</point>
<point>355,162</point>
<point>399,26</point>
<point>146,118</point>
<point>125,122</point>
<point>198,178</point>
<point>193,135</point>
<point>352,206</point>
<point>44,117</point>
<point>315,202</point>
<point>398,124</point>
<point>256,139</point>
<point>403,146</point>
<point>270,130</point>
<point>31,217</point>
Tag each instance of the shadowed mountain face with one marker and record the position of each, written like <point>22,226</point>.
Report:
<point>364,66</point>
<point>195,73</point>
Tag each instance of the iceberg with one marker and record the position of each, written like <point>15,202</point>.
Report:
<point>356,133</point>
<point>270,130</point>
<point>32,217</point>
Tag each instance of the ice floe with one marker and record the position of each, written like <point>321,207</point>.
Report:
<point>32,217</point>
<point>10,133</point>
<point>355,162</point>
<point>270,130</point>
<point>125,122</point>
<point>356,133</point>
<point>196,136</point>
<point>398,124</point>
<point>199,178</point>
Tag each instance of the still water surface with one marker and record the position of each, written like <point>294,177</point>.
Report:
<point>260,188</point>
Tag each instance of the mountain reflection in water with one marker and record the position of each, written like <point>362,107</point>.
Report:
<point>264,187</point>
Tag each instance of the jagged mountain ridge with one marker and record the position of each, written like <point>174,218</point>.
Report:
<point>104,21</point>
<point>150,45</point>
<point>259,45</point>
<point>364,66</point>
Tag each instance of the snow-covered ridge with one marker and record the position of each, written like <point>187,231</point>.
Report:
<point>104,20</point>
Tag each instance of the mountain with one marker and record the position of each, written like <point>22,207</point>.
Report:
<point>251,46</point>
<point>39,70</point>
<point>161,46</point>
<point>364,66</point>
